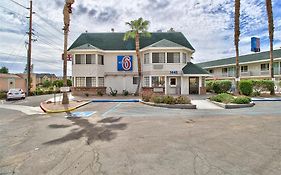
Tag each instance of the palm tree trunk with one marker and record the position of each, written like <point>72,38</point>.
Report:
<point>138,90</point>
<point>236,42</point>
<point>271,33</point>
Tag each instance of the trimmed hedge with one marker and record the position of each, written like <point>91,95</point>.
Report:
<point>242,100</point>
<point>227,98</point>
<point>221,86</point>
<point>246,87</point>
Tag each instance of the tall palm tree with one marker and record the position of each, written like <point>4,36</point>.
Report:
<point>236,42</point>
<point>138,27</point>
<point>271,33</point>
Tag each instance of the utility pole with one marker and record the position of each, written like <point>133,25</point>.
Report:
<point>29,49</point>
<point>67,10</point>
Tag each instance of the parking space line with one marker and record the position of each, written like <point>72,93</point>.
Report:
<point>111,110</point>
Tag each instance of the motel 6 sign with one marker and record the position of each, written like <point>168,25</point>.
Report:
<point>68,58</point>
<point>124,63</point>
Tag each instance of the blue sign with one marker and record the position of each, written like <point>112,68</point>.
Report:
<point>124,63</point>
<point>255,44</point>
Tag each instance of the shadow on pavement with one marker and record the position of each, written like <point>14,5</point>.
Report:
<point>103,130</point>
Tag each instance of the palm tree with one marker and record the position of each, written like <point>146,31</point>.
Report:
<point>271,33</point>
<point>138,27</point>
<point>236,42</point>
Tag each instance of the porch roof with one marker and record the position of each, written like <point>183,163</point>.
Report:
<point>191,68</point>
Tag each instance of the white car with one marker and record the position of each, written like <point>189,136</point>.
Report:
<point>15,94</point>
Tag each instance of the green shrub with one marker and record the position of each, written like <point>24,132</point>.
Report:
<point>209,86</point>
<point>246,87</point>
<point>47,83</point>
<point>222,98</point>
<point>3,95</point>
<point>157,99</point>
<point>58,83</point>
<point>222,86</point>
<point>113,92</point>
<point>263,85</point>
<point>242,100</point>
<point>100,93</point>
<point>38,91</point>
<point>169,100</point>
<point>125,92</point>
<point>182,100</point>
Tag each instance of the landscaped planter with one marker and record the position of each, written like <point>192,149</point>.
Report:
<point>232,105</point>
<point>174,106</point>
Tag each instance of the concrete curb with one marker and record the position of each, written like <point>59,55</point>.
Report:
<point>62,110</point>
<point>173,106</point>
<point>232,106</point>
<point>115,100</point>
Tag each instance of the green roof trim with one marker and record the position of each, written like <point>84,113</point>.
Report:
<point>114,41</point>
<point>242,59</point>
<point>165,43</point>
<point>191,68</point>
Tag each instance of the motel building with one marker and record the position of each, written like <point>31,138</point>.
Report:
<point>252,66</point>
<point>104,60</point>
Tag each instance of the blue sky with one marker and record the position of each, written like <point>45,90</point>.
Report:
<point>207,24</point>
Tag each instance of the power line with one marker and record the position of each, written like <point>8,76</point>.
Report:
<point>19,4</point>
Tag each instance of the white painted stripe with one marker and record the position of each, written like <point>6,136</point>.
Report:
<point>111,110</point>
<point>24,109</point>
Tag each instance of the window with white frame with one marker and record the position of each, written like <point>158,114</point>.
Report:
<point>101,81</point>
<point>146,81</point>
<point>135,80</point>
<point>158,57</point>
<point>146,58</point>
<point>90,81</point>
<point>244,68</point>
<point>173,81</point>
<point>173,57</point>
<point>184,58</point>
<point>265,67</point>
<point>80,82</point>
<point>90,59</point>
<point>78,59</point>
<point>158,81</point>
<point>100,59</point>
<point>224,70</point>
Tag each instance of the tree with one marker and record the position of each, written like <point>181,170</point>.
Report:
<point>138,27</point>
<point>47,83</point>
<point>236,42</point>
<point>4,70</point>
<point>271,35</point>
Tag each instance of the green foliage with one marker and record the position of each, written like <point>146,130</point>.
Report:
<point>222,98</point>
<point>242,100</point>
<point>4,70</point>
<point>263,85</point>
<point>38,91</point>
<point>3,95</point>
<point>222,86</point>
<point>58,83</point>
<point>100,93</point>
<point>246,87</point>
<point>47,83</point>
<point>137,26</point>
<point>209,86</point>
<point>125,92</point>
<point>157,99</point>
<point>69,82</point>
<point>169,99</point>
<point>182,100</point>
<point>113,92</point>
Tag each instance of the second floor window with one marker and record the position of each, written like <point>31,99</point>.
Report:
<point>173,57</point>
<point>244,68</point>
<point>184,58</point>
<point>100,59</point>
<point>90,59</point>
<point>265,67</point>
<point>158,57</point>
<point>78,59</point>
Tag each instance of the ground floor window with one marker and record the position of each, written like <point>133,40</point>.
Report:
<point>90,81</point>
<point>173,82</point>
<point>80,82</point>
<point>244,68</point>
<point>101,81</point>
<point>146,81</point>
<point>135,80</point>
<point>265,67</point>
<point>158,81</point>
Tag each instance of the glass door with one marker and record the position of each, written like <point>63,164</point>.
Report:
<point>193,85</point>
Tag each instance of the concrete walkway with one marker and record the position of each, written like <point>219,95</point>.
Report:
<point>204,104</point>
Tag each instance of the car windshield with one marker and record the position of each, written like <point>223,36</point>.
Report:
<point>14,90</point>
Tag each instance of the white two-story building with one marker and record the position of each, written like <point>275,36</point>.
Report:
<point>104,60</point>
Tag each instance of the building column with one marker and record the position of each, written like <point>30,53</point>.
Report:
<point>150,81</point>
<point>97,81</point>
<point>166,91</point>
<point>74,82</point>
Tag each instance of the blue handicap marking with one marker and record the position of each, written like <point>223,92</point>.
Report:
<point>82,114</point>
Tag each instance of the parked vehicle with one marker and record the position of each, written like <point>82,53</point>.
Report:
<point>15,94</point>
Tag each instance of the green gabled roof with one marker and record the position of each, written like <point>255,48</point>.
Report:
<point>242,59</point>
<point>114,41</point>
<point>165,43</point>
<point>86,46</point>
<point>191,68</point>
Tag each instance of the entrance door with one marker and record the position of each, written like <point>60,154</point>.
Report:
<point>193,85</point>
